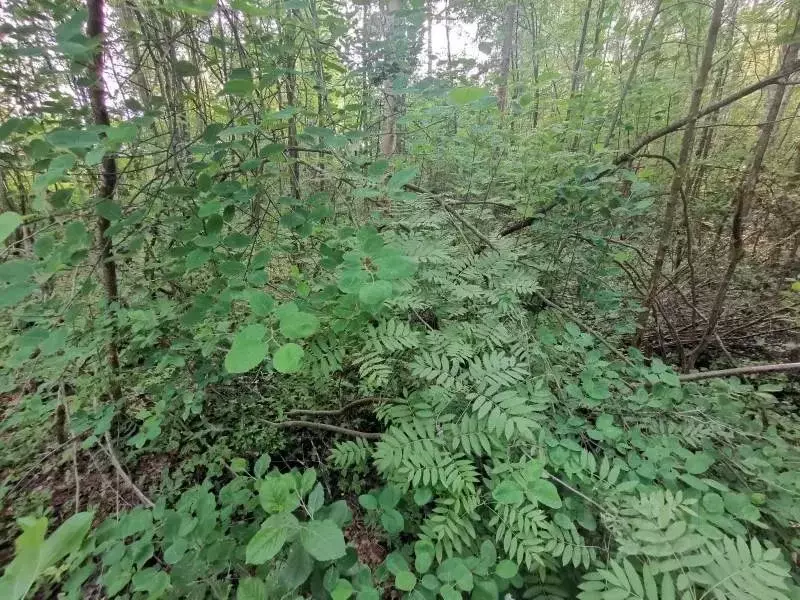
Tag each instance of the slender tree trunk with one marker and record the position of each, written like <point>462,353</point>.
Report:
<point>390,100</point>
<point>743,198</point>
<point>447,37</point>
<point>598,28</point>
<point>108,175</point>
<point>577,69</point>
<point>632,74</point>
<point>429,18</point>
<point>509,23</point>
<point>679,176</point>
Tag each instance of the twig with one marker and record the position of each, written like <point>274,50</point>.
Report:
<point>109,450</point>
<point>752,370</point>
<point>75,473</point>
<point>333,413</point>
<point>327,427</point>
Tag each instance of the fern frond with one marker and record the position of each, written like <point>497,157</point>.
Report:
<point>518,530</point>
<point>392,336</point>
<point>435,368</point>
<point>374,370</point>
<point>351,455</point>
<point>450,528</point>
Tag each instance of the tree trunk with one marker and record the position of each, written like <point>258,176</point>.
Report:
<point>679,176</point>
<point>743,198</point>
<point>390,100</point>
<point>509,24</point>
<point>577,69</point>
<point>632,75</point>
<point>108,175</point>
<point>429,18</point>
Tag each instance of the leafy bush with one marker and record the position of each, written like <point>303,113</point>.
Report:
<point>518,454</point>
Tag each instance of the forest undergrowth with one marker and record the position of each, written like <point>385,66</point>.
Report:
<point>286,314</point>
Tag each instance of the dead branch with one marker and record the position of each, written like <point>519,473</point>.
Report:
<point>751,370</point>
<point>339,411</point>
<point>327,427</point>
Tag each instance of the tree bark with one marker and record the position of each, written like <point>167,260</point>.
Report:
<point>577,69</point>
<point>108,174</point>
<point>509,23</point>
<point>679,176</point>
<point>390,100</point>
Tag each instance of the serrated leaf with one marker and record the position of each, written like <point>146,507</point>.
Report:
<point>9,221</point>
<point>288,358</point>
<point>323,540</point>
<point>269,540</point>
<point>248,349</point>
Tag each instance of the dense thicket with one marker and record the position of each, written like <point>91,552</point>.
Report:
<point>405,298</point>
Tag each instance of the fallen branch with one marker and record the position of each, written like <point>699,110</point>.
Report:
<point>367,435</point>
<point>527,222</point>
<point>675,125</point>
<point>339,411</point>
<point>752,370</point>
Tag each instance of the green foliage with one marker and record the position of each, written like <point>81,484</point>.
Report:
<point>257,261</point>
<point>35,554</point>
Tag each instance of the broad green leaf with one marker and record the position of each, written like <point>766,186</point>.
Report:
<point>297,568</point>
<point>151,580</point>
<point>506,569</point>
<point>269,540</point>
<point>109,210</point>
<point>262,465</point>
<point>260,302</point>
<point>374,293</point>
<point>507,492</point>
<point>67,538</point>
<point>424,553</point>
<point>393,265</point>
<point>295,323</point>
<point>368,501</point>
<point>25,569</point>
<point>323,540</point>
<point>238,87</point>
<point>699,463</point>
<point>713,503</point>
<point>342,590</point>
<point>278,493</point>
<point>396,563</point>
<point>251,588</point>
<point>200,8</point>
<point>392,521</point>
<point>288,358</point>
<point>422,496</point>
<point>9,221</point>
<point>315,500</point>
<point>248,349</point>
<point>174,553</point>
<point>544,492</point>
<point>405,581</point>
